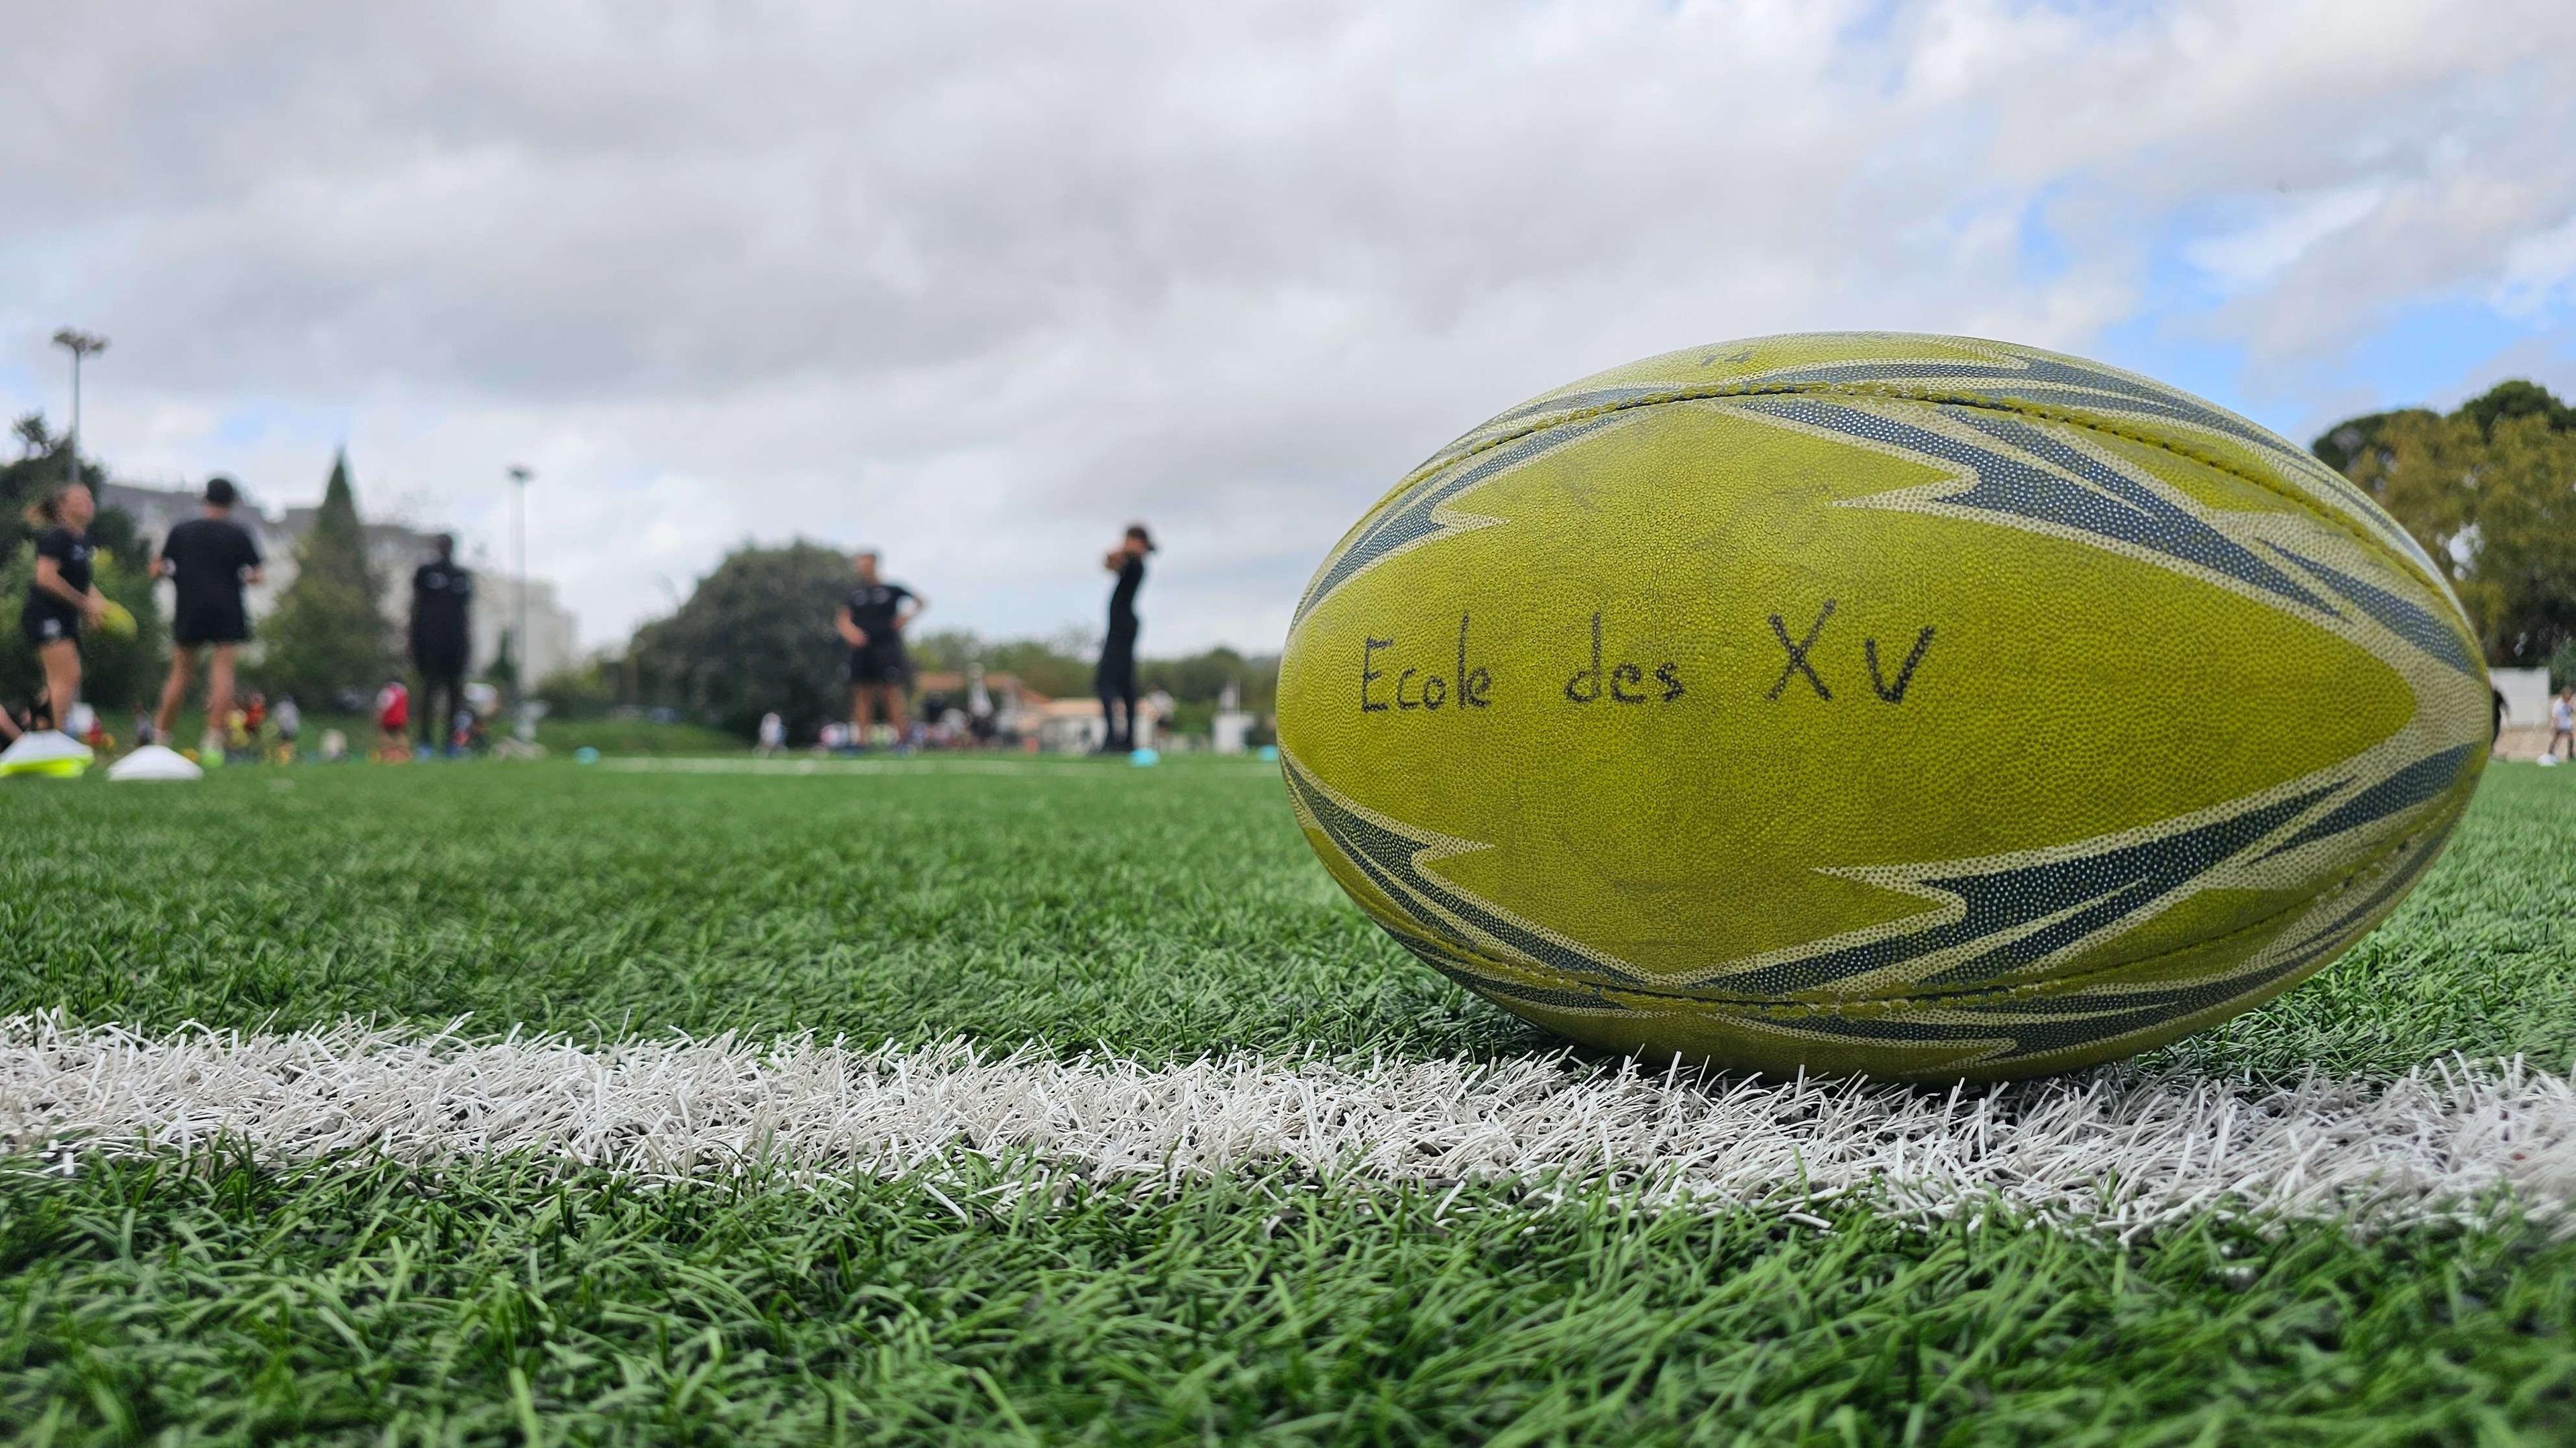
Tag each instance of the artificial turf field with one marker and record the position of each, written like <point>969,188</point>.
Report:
<point>1157,916</point>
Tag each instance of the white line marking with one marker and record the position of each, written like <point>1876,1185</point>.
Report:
<point>2123,1151</point>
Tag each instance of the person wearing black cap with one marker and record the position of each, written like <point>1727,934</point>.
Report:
<point>1115,681</point>
<point>442,601</point>
<point>207,560</point>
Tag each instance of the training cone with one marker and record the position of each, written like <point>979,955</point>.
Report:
<point>153,762</point>
<point>1143,757</point>
<point>44,754</point>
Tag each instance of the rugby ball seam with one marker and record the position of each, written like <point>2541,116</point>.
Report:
<point>2050,988</point>
<point>2377,548</point>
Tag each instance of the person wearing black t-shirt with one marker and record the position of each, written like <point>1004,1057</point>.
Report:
<point>871,621</point>
<point>207,560</point>
<point>61,601</point>
<point>442,602</point>
<point>1115,681</point>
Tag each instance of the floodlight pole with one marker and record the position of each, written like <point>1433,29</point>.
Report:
<point>519,676</point>
<point>80,344</point>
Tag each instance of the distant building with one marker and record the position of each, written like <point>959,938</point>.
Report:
<point>553,644</point>
<point>393,549</point>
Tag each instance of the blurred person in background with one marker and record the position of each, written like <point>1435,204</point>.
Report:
<point>207,559</point>
<point>2562,724</point>
<point>871,621</point>
<point>62,600</point>
<point>290,722</point>
<point>1115,680</point>
<point>393,715</point>
<point>442,602</point>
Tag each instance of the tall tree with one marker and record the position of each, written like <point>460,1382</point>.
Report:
<point>2496,507</point>
<point>328,632</point>
<point>2516,397</point>
<point>755,636</point>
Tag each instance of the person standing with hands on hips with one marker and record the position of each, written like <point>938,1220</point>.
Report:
<point>442,601</point>
<point>1115,681</point>
<point>871,621</point>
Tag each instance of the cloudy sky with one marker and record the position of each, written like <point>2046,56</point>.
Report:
<point>979,284</point>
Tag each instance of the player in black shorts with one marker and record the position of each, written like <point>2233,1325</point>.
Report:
<point>61,601</point>
<point>1115,680</point>
<point>871,621</point>
<point>207,560</point>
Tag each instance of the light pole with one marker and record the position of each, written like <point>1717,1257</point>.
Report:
<point>519,478</point>
<point>80,344</point>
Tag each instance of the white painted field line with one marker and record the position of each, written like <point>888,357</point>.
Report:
<point>2122,1151</point>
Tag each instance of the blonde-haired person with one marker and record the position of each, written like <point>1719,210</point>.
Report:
<point>62,601</point>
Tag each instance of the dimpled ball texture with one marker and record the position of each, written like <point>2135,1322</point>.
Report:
<point>1915,706</point>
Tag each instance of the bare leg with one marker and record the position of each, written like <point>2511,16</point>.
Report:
<point>174,693</point>
<point>62,679</point>
<point>219,684</point>
<point>894,709</point>
<point>860,714</point>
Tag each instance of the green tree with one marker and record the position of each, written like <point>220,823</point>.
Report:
<point>2344,444</point>
<point>1059,668</point>
<point>38,469</point>
<point>754,636</point>
<point>503,671</point>
<point>2516,398</point>
<point>328,632</point>
<point>2496,507</point>
<point>587,690</point>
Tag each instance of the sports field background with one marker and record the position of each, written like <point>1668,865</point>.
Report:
<point>1158,916</point>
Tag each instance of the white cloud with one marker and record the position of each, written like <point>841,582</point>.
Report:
<point>2258,253</point>
<point>2538,268</point>
<point>980,283</point>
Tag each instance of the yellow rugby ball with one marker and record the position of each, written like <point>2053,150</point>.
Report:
<point>1910,705</point>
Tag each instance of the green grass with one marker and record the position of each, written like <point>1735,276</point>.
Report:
<point>504,1305</point>
<point>1157,913</point>
<point>1161,914</point>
